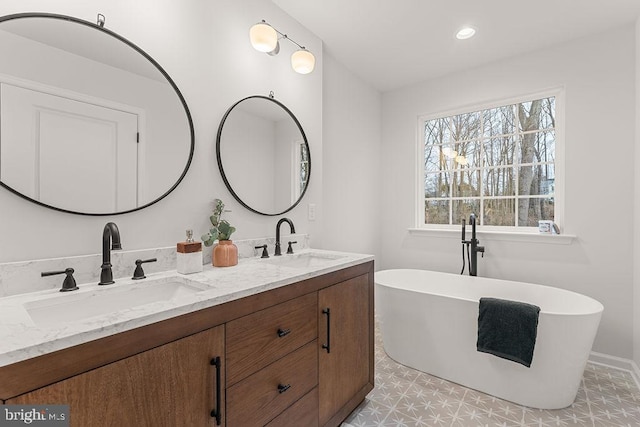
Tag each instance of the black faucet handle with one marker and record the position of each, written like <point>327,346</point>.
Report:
<point>139,272</point>
<point>265,254</point>
<point>480,249</point>
<point>289,248</point>
<point>69,283</point>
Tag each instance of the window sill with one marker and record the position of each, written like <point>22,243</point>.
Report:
<point>506,236</point>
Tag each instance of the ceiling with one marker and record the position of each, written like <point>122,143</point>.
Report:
<point>394,43</point>
<point>84,41</point>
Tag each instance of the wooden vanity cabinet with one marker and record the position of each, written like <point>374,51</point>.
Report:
<point>171,385</point>
<point>345,344</point>
<point>275,367</point>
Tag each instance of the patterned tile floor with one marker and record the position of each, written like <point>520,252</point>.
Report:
<point>404,397</point>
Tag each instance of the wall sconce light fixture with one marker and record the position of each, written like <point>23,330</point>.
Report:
<point>265,38</point>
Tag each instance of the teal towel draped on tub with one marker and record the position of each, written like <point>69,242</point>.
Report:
<point>507,329</point>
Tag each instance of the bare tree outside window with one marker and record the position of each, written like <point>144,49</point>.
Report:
<point>497,162</point>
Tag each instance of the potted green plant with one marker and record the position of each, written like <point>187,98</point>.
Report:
<point>225,253</point>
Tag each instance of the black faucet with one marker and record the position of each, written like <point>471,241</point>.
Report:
<point>110,235</point>
<point>473,246</point>
<point>278,251</point>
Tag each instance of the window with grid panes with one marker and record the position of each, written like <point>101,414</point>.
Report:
<point>498,163</point>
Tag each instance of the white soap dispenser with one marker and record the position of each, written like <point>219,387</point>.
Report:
<point>189,255</point>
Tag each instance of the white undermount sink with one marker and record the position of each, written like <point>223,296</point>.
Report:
<point>83,304</point>
<point>304,260</point>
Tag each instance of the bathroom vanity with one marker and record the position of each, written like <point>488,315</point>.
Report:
<point>276,343</point>
<point>286,341</point>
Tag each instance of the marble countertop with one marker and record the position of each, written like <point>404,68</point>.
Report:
<point>23,336</point>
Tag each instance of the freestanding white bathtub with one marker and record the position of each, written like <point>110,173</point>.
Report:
<point>429,322</point>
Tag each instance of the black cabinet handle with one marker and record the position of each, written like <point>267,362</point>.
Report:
<point>283,332</point>
<point>217,412</point>
<point>327,346</point>
<point>283,388</point>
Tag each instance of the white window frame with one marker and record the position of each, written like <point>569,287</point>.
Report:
<point>559,164</point>
<point>296,170</point>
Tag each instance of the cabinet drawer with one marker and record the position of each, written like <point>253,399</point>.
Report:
<point>258,399</point>
<point>302,413</point>
<point>256,340</point>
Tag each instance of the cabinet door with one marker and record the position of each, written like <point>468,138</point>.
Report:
<point>171,385</point>
<point>344,367</point>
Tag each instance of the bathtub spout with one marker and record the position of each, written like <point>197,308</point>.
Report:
<point>464,243</point>
<point>474,246</point>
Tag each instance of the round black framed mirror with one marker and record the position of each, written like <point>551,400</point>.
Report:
<point>90,124</point>
<point>263,155</point>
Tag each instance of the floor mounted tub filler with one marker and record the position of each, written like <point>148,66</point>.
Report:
<point>429,322</point>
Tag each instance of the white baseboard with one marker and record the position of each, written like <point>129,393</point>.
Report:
<point>617,363</point>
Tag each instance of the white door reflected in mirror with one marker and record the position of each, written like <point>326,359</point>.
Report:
<point>50,143</point>
<point>90,123</point>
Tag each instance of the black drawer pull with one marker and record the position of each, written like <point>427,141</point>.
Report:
<point>283,388</point>
<point>283,332</point>
<point>327,346</point>
<point>217,412</point>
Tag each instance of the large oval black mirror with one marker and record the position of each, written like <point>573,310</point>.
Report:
<point>263,155</point>
<point>89,123</point>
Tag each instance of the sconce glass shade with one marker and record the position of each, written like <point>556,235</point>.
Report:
<point>462,160</point>
<point>263,37</point>
<point>303,61</point>
<point>450,153</point>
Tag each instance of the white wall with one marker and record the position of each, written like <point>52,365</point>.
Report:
<point>598,74</point>
<point>636,213</point>
<point>351,154</point>
<point>203,45</point>
<point>240,149</point>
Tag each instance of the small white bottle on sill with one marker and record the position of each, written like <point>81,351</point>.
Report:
<point>189,255</point>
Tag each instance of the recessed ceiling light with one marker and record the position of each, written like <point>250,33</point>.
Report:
<point>465,33</point>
